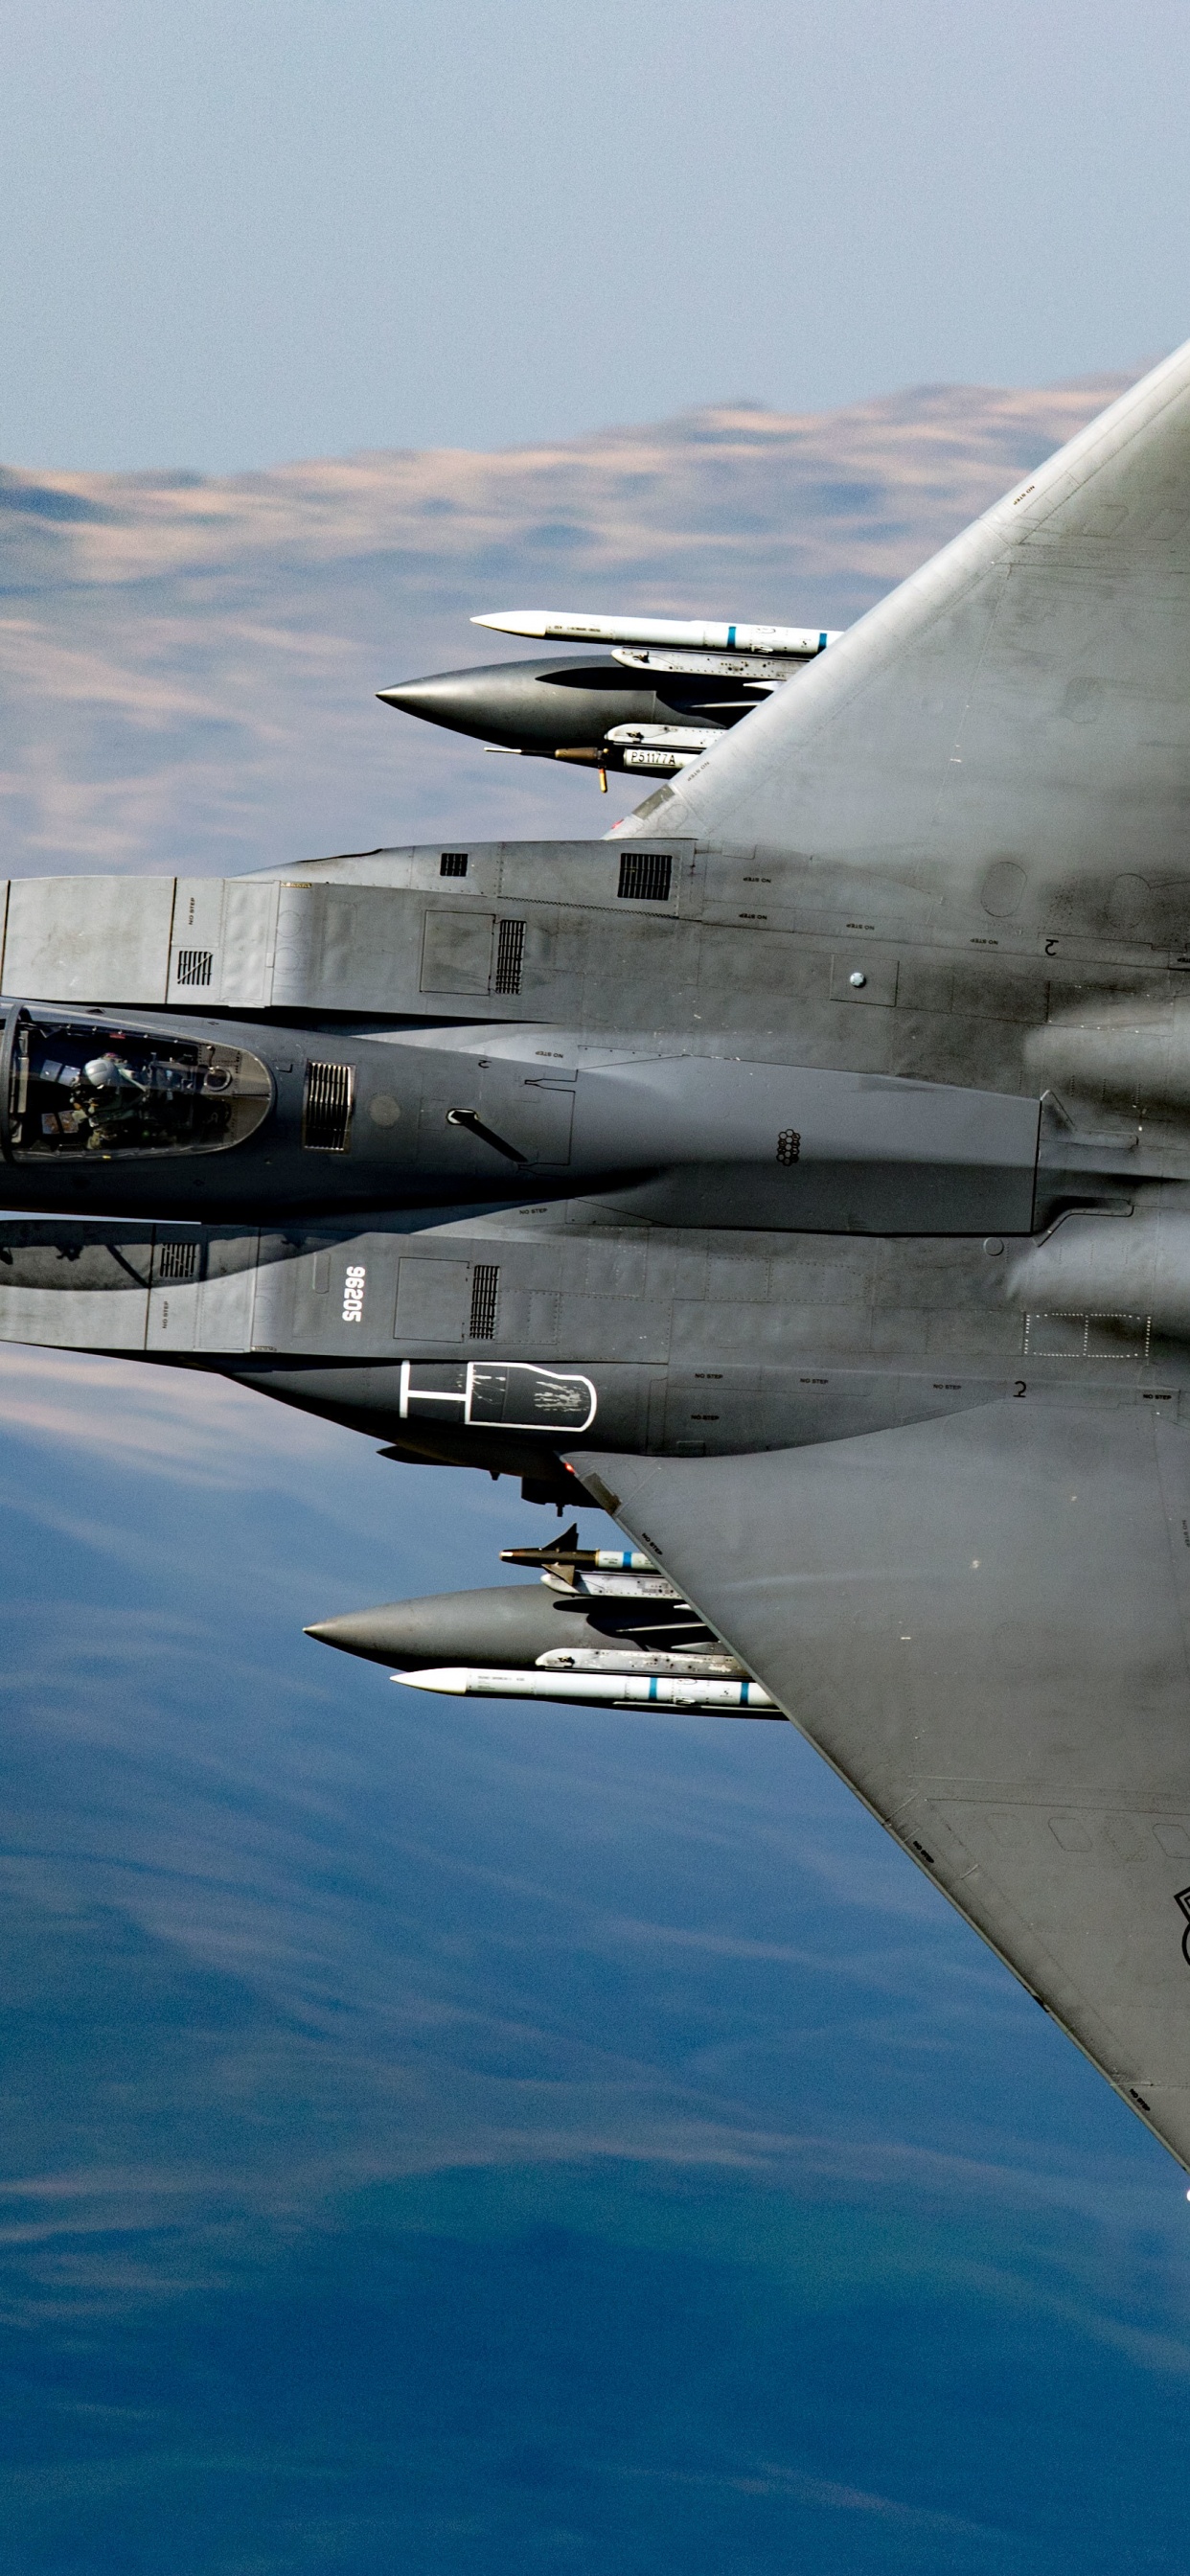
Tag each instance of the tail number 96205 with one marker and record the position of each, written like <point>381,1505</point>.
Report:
<point>353,1293</point>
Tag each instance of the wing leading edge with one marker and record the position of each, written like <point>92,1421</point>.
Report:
<point>1009,728</point>
<point>982,1623</point>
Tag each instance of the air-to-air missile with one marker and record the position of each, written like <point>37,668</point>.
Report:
<point>574,626</point>
<point>610,1632</point>
<point>599,1690</point>
<point>660,693</point>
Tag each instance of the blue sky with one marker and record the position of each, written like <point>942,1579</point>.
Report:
<point>476,2139</point>
<point>235,235</point>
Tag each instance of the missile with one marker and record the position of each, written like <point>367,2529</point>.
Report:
<point>575,626</point>
<point>759,673</point>
<point>600,1573</point>
<point>566,1551</point>
<point>715,1697</point>
<point>661,747</point>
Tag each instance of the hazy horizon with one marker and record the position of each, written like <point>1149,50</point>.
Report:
<point>190,663</point>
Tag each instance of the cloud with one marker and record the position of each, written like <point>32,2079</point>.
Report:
<point>189,663</point>
<point>185,1425</point>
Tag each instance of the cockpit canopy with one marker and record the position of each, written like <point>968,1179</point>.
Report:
<point>80,1087</point>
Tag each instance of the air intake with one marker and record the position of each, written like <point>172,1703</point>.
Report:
<point>645,875</point>
<point>194,965</point>
<point>326,1108</point>
<point>485,1293</point>
<point>453,863</point>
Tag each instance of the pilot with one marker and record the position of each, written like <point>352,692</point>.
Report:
<point>111,1096</point>
<point>111,1072</point>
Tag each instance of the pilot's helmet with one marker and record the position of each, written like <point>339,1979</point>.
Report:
<point>107,1073</point>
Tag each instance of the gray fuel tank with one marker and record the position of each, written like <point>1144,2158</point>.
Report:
<point>515,1625</point>
<point>505,1624</point>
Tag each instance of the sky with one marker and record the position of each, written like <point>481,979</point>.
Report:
<point>189,663</point>
<point>481,2139</point>
<point>239,234</point>
<point>476,2138</point>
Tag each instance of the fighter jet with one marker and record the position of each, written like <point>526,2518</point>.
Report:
<point>800,1175</point>
<point>661,691</point>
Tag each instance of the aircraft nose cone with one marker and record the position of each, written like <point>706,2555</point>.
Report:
<point>474,702</point>
<point>436,699</point>
<point>517,706</point>
<point>384,1635</point>
<point>442,1628</point>
<point>512,1624</point>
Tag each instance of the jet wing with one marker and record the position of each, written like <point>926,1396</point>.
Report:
<point>981,1622</point>
<point>1012,722</point>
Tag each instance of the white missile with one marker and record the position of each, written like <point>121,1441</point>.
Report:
<point>573,626</point>
<point>596,1690</point>
<point>664,737</point>
<point>638,1660</point>
<point>761,676</point>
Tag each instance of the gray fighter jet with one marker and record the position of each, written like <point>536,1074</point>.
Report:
<point>801,1174</point>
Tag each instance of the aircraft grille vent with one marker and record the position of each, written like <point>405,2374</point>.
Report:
<point>194,965</point>
<point>510,953</point>
<point>453,863</point>
<point>485,1296</point>
<point>645,875</point>
<point>177,1260</point>
<point>326,1108</point>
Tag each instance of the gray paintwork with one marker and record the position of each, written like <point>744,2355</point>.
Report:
<point>690,1138</point>
<point>847,1262</point>
<point>982,1623</point>
<point>1012,724</point>
<point>551,707</point>
<point>511,1624</point>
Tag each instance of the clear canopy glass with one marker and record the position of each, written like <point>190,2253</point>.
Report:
<point>80,1087</point>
